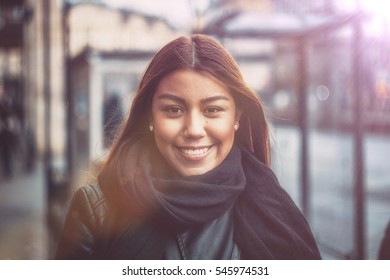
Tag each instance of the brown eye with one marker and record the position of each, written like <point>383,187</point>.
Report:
<point>212,110</point>
<point>174,110</point>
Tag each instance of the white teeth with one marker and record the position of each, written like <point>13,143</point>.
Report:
<point>194,152</point>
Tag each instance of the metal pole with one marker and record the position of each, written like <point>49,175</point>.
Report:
<point>47,113</point>
<point>46,93</point>
<point>358,127</point>
<point>303,126</point>
<point>69,97</point>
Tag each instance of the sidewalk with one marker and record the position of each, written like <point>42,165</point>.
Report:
<point>23,230</point>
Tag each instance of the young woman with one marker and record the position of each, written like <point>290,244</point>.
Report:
<point>188,176</point>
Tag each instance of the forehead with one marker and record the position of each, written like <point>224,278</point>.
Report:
<point>191,85</point>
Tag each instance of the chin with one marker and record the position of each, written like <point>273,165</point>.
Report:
<point>194,171</point>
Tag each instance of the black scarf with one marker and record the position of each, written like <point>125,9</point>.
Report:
<point>268,225</point>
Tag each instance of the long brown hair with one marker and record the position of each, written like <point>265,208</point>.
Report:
<point>200,53</point>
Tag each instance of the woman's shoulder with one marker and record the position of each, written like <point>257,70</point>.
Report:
<point>90,202</point>
<point>83,223</point>
<point>91,193</point>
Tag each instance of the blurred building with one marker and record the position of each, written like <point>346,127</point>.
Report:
<point>54,55</point>
<point>15,129</point>
<point>121,29</point>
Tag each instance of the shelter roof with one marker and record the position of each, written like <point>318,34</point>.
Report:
<point>276,25</point>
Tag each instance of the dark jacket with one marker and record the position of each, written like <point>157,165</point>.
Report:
<point>96,229</point>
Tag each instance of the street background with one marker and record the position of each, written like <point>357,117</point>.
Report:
<point>70,68</point>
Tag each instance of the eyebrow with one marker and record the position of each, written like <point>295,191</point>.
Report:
<point>171,96</point>
<point>182,100</point>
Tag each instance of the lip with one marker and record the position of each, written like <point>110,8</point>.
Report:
<point>194,153</point>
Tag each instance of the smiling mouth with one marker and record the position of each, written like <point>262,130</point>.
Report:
<point>194,152</point>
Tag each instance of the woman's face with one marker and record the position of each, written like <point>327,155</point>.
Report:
<point>193,118</point>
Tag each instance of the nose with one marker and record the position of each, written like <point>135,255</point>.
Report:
<point>194,126</point>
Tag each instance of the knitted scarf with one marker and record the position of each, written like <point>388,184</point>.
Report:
<point>267,223</point>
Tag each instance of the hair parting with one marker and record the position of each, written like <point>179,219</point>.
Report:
<point>193,52</point>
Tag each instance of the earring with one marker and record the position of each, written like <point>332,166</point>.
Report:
<point>236,127</point>
<point>151,127</point>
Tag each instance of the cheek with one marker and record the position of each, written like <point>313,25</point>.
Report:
<point>166,130</point>
<point>222,130</point>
